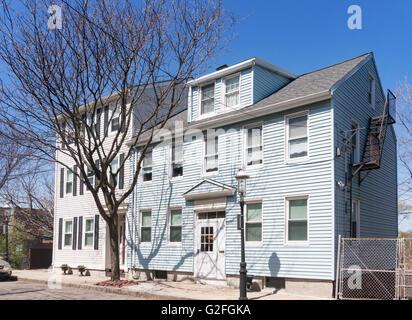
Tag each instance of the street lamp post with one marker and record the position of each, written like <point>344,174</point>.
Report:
<point>241,178</point>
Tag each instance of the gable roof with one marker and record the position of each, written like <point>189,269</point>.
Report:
<point>308,88</point>
<point>208,188</point>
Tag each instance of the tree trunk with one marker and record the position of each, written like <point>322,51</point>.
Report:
<point>114,250</point>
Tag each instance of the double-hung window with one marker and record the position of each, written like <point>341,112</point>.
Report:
<point>297,136</point>
<point>253,222</point>
<point>175,225</point>
<point>177,157</point>
<point>207,102</point>
<point>89,232</point>
<point>114,166</point>
<point>147,166</point>
<point>68,233</point>
<point>211,159</point>
<point>69,181</point>
<point>371,91</point>
<point>232,92</point>
<point>145,226</point>
<point>115,119</point>
<point>254,150</point>
<point>297,219</point>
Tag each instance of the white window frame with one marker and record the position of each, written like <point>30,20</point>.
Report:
<point>88,232</point>
<point>294,242</point>
<point>212,173</point>
<point>65,233</point>
<point>173,141</point>
<point>225,94</point>
<point>169,225</point>
<point>357,217</point>
<point>356,156</point>
<point>142,171</point>
<point>252,243</point>
<point>200,99</point>
<point>287,118</point>
<point>67,181</point>
<point>140,227</point>
<point>372,86</point>
<point>245,145</point>
<point>114,112</point>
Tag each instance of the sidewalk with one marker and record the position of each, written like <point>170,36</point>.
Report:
<point>156,290</point>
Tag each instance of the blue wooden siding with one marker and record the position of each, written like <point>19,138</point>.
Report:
<point>378,192</point>
<point>270,184</point>
<point>266,82</point>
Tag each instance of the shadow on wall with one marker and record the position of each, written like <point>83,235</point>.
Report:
<point>159,235</point>
<point>274,265</point>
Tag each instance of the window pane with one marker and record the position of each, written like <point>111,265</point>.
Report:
<point>298,148</point>
<point>254,156</point>
<point>175,234</point>
<point>88,239</point>
<point>207,106</point>
<point>177,151</point>
<point>254,212</point>
<point>298,209</point>
<point>68,227</point>
<point>146,219</point>
<point>253,232</point>
<point>146,234</point>
<point>254,137</point>
<point>176,217</point>
<point>297,127</point>
<point>232,84</point>
<point>232,99</point>
<point>147,160</point>
<point>69,187</point>
<point>211,163</point>
<point>89,225</point>
<point>211,145</point>
<point>69,176</point>
<point>208,92</point>
<point>67,239</point>
<point>298,230</point>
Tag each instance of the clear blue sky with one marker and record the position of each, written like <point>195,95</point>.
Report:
<point>302,36</point>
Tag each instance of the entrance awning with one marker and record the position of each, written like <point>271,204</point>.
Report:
<point>207,189</point>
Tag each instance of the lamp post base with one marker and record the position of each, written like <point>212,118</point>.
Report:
<point>242,283</point>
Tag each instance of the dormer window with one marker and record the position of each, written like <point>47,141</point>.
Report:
<point>207,99</point>
<point>232,92</point>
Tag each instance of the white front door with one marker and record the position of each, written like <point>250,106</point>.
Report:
<point>122,240</point>
<point>210,240</point>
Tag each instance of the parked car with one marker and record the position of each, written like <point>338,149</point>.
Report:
<point>5,270</point>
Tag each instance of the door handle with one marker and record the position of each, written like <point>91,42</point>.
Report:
<point>221,251</point>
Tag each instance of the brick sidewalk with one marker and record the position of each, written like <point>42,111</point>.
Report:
<point>156,290</point>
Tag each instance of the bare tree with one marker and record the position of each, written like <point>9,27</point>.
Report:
<point>404,133</point>
<point>31,194</point>
<point>105,52</point>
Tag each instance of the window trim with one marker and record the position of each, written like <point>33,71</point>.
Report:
<point>204,115</point>
<point>357,216</point>
<point>145,243</point>
<point>151,149</point>
<point>64,234</point>
<point>303,243</point>
<point>224,98</point>
<point>67,181</point>
<point>252,243</point>
<point>372,82</point>
<point>245,145</point>
<point>169,221</point>
<point>287,118</point>
<point>204,172</point>
<point>173,140</point>
<point>84,232</point>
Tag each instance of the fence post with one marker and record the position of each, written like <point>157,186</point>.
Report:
<point>337,269</point>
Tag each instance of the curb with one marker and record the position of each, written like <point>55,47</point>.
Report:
<point>126,292</point>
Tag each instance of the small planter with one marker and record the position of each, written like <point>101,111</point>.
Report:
<point>70,271</point>
<point>81,269</point>
<point>64,268</point>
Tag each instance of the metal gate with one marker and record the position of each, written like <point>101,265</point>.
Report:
<point>374,268</point>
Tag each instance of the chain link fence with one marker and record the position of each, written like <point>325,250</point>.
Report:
<point>374,269</point>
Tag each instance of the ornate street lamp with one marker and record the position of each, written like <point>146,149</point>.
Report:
<point>241,178</point>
